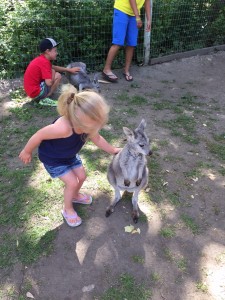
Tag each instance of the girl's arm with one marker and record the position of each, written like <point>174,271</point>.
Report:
<point>101,143</point>
<point>53,131</point>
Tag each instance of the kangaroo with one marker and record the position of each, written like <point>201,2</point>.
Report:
<point>128,170</point>
<point>81,80</point>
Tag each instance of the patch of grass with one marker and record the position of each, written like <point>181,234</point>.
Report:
<point>201,287</point>
<point>163,105</point>
<point>138,259</point>
<point>155,95</point>
<point>23,114</point>
<point>220,258</point>
<point>216,209</point>
<point>168,254</point>
<point>122,97</point>
<point>155,277</point>
<point>135,85</point>
<point>155,174</point>
<point>168,232</point>
<point>130,111</point>
<point>182,126</point>
<point>182,264</point>
<point>222,171</point>
<point>171,158</point>
<point>138,100</point>
<point>187,99</point>
<point>9,292</point>
<point>163,143</point>
<point>217,149</point>
<point>190,223</point>
<point>35,242</point>
<point>18,95</point>
<point>219,137</point>
<point>127,288</point>
<point>195,172</point>
<point>174,198</point>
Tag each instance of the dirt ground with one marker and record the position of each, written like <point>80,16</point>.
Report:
<point>88,260</point>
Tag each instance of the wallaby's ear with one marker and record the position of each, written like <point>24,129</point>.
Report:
<point>129,133</point>
<point>142,125</point>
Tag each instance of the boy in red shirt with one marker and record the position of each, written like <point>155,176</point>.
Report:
<point>41,77</point>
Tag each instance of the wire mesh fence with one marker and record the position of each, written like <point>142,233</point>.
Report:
<point>179,26</point>
<point>84,28</point>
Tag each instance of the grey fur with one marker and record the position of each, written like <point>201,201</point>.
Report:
<point>81,80</point>
<point>128,170</point>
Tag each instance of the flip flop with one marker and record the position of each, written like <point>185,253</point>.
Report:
<point>128,77</point>
<point>110,77</point>
<point>86,199</point>
<point>71,217</point>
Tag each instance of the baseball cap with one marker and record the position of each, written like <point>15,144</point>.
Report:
<point>47,43</point>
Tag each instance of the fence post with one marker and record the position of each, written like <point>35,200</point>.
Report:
<point>147,39</point>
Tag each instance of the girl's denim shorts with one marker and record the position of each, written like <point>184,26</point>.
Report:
<point>59,171</point>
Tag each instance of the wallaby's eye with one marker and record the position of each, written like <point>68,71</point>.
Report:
<point>142,146</point>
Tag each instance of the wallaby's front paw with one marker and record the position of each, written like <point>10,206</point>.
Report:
<point>126,182</point>
<point>138,182</point>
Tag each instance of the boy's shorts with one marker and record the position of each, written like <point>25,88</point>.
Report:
<point>59,171</point>
<point>125,29</point>
<point>44,91</point>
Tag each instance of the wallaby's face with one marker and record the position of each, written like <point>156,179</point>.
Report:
<point>138,138</point>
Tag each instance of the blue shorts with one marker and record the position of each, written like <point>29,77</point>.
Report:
<point>125,29</point>
<point>44,91</point>
<point>59,171</point>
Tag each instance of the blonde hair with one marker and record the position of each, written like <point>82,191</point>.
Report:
<point>88,102</point>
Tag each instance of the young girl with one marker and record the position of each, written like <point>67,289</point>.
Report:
<point>82,115</point>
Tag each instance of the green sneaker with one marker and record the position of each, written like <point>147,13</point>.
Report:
<point>48,102</point>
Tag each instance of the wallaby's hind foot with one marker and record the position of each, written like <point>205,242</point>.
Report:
<point>135,216</point>
<point>109,211</point>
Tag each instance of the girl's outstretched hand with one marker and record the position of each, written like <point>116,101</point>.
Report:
<point>117,150</point>
<point>25,157</point>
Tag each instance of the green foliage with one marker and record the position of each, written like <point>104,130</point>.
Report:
<point>180,25</point>
<point>127,288</point>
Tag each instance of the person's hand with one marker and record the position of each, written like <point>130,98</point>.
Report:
<point>139,22</point>
<point>117,150</point>
<point>25,157</point>
<point>148,26</point>
<point>74,70</point>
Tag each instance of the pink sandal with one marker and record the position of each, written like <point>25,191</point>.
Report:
<point>75,217</point>
<point>86,199</point>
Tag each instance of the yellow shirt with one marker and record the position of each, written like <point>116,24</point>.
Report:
<point>124,6</point>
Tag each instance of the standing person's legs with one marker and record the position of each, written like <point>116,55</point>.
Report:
<point>120,22</point>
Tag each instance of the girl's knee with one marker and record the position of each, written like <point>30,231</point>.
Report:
<point>82,178</point>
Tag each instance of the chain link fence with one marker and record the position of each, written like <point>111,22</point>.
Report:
<point>84,30</point>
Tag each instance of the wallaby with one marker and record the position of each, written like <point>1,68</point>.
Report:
<point>81,80</point>
<point>128,170</point>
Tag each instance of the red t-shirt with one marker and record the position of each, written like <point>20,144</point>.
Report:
<point>39,69</point>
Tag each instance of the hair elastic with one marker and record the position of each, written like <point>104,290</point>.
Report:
<point>71,98</point>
